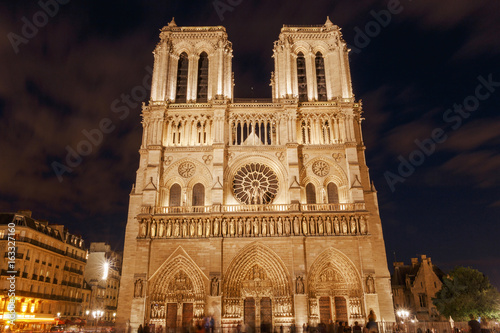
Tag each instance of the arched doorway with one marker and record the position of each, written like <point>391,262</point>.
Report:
<point>257,290</point>
<point>177,297</point>
<point>335,290</point>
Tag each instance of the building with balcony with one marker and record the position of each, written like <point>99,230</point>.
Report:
<point>254,211</point>
<point>103,275</point>
<point>47,262</point>
<point>414,286</point>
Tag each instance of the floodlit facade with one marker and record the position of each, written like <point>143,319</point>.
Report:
<point>252,211</point>
<point>414,286</point>
<point>48,264</point>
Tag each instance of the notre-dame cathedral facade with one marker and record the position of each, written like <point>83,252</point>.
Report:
<point>253,211</point>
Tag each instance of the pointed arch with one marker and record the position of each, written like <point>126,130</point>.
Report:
<point>320,76</point>
<point>246,260</point>
<point>179,274</point>
<point>202,82</point>
<point>333,274</point>
<point>310,193</point>
<point>301,77</point>
<point>174,195</point>
<point>182,78</point>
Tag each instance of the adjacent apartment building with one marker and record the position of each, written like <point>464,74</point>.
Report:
<point>414,286</point>
<point>48,266</point>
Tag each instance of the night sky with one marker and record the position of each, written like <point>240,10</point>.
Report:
<point>413,69</point>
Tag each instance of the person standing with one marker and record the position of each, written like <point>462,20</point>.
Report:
<point>140,330</point>
<point>474,326</point>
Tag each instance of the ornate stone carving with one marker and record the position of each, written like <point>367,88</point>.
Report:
<point>280,155</point>
<point>321,168</point>
<point>187,169</point>
<point>207,159</point>
<point>337,157</point>
<point>255,184</point>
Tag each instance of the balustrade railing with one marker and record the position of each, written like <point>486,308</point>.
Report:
<point>334,207</point>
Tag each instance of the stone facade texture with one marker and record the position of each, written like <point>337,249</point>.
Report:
<point>252,211</point>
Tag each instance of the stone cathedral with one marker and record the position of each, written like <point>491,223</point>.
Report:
<point>252,211</point>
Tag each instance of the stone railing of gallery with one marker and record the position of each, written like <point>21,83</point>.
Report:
<point>294,224</point>
<point>333,207</point>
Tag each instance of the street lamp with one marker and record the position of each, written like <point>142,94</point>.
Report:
<point>403,314</point>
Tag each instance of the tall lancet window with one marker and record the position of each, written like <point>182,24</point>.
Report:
<point>182,78</point>
<point>202,89</point>
<point>320,77</point>
<point>301,77</point>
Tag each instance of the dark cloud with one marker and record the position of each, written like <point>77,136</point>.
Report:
<point>65,78</point>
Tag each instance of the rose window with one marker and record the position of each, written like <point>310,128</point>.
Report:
<point>255,184</point>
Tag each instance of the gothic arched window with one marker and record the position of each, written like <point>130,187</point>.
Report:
<point>182,78</point>
<point>320,76</point>
<point>198,195</point>
<point>333,193</point>
<point>310,194</point>
<point>202,89</point>
<point>301,77</point>
<point>175,196</point>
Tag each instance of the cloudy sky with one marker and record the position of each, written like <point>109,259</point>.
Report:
<point>425,70</point>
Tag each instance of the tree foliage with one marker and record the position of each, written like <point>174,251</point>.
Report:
<point>467,291</point>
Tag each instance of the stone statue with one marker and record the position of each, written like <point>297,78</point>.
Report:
<point>328,225</point>
<point>248,227</point>
<point>304,225</point>
<point>255,227</point>
<point>240,226</point>
<point>200,228</point>
<point>184,228</point>
<point>224,227</point>
<point>353,225</point>
<point>296,225</point>
<point>216,227</point>
<point>161,229</point>
<point>176,228</point>
<point>231,227</point>
<point>312,229</point>
<point>287,225</point>
<point>362,225</point>
<point>320,226</point>
<point>214,291</point>
<point>169,228</point>
<point>280,226</point>
<point>191,228</point>
<point>207,227</point>
<point>271,226</point>
<point>138,288</point>
<point>153,229</point>
<point>144,226</point>
<point>300,285</point>
<point>264,226</point>
<point>344,225</point>
<point>337,227</point>
<point>370,285</point>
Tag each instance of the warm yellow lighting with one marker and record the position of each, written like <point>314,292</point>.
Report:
<point>24,307</point>
<point>105,271</point>
<point>32,308</point>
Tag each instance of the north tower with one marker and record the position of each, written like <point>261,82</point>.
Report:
<point>252,211</point>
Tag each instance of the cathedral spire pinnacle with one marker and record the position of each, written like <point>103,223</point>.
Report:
<point>172,23</point>
<point>328,23</point>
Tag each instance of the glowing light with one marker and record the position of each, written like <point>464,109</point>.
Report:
<point>59,314</point>
<point>114,314</point>
<point>24,307</point>
<point>105,271</point>
<point>87,312</point>
<point>32,308</point>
